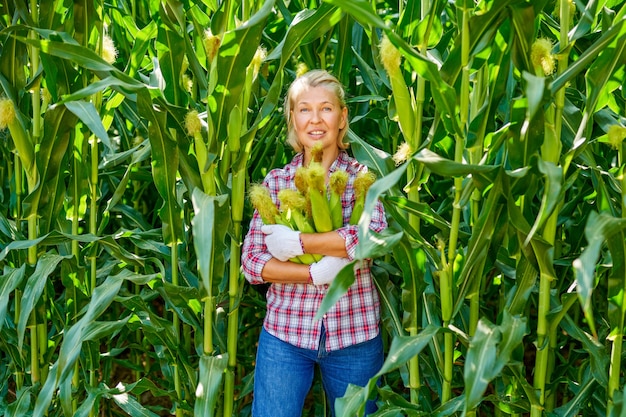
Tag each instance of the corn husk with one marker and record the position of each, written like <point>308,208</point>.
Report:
<point>338,182</point>
<point>362,184</point>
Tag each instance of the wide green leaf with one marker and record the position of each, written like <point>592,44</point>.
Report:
<point>209,232</point>
<point>164,167</point>
<point>8,283</point>
<point>85,329</point>
<point>489,352</point>
<point>211,374</point>
<point>235,53</point>
<point>33,290</point>
<point>88,114</point>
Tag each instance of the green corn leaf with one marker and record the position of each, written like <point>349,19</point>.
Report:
<point>599,228</point>
<point>377,160</point>
<point>552,194</point>
<point>157,330</point>
<point>588,386</point>
<point>482,175</point>
<point>132,406</point>
<point>171,50</point>
<point>388,301</point>
<point>211,374</point>
<point>483,30</point>
<point>616,284</point>
<point>412,262</point>
<point>587,58</point>
<point>8,283</point>
<point>353,401</point>
<point>443,94</point>
<point>599,75</point>
<point>183,300</point>
<point>489,352</point>
<point>587,20</point>
<point>236,51</point>
<point>344,58</point>
<point>93,396</point>
<point>599,355</point>
<point>339,286</point>
<point>85,19</point>
<point>14,56</point>
<point>308,25</point>
<point>45,200</point>
<point>209,236</point>
<point>378,188</point>
<point>481,358</point>
<point>87,328</point>
<point>143,37</point>
<point>88,114</point>
<point>84,329</point>
<point>526,279</point>
<point>472,273</point>
<point>164,168</point>
<point>520,14</point>
<point>33,290</point>
<point>22,404</point>
<point>422,210</point>
<point>61,45</point>
<point>403,348</point>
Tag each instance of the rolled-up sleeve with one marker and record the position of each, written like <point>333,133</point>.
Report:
<point>351,233</point>
<point>254,252</point>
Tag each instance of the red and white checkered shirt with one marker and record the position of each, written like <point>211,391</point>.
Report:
<point>291,307</point>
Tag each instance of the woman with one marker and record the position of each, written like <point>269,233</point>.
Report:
<point>346,342</point>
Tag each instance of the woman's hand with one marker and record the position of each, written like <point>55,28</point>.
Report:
<point>282,242</point>
<point>325,271</point>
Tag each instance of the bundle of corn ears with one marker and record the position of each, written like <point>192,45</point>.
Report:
<point>311,208</point>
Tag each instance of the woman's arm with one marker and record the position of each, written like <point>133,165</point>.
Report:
<point>285,272</point>
<point>329,243</point>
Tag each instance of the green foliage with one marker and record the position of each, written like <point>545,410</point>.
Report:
<point>502,274</point>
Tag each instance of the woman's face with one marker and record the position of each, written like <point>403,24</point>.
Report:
<point>317,115</point>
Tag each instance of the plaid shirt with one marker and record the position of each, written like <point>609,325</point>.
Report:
<point>292,307</point>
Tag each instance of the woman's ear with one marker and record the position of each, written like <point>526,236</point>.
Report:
<point>344,117</point>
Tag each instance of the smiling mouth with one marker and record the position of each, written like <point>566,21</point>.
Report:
<point>316,132</point>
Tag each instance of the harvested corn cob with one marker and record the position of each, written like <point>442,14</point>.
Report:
<point>320,211</point>
<point>362,183</point>
<point>338,181</point>
<point>262,202</point>
<point>293,207</point>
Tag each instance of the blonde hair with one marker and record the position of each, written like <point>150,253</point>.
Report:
<point>314,78</point>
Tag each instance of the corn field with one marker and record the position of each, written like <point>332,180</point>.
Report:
<point>132,130</point>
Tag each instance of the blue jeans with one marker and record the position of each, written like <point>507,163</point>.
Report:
<point>284,374</point>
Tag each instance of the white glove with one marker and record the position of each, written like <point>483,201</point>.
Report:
<point>326,270</point>
<point>282,242</point>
